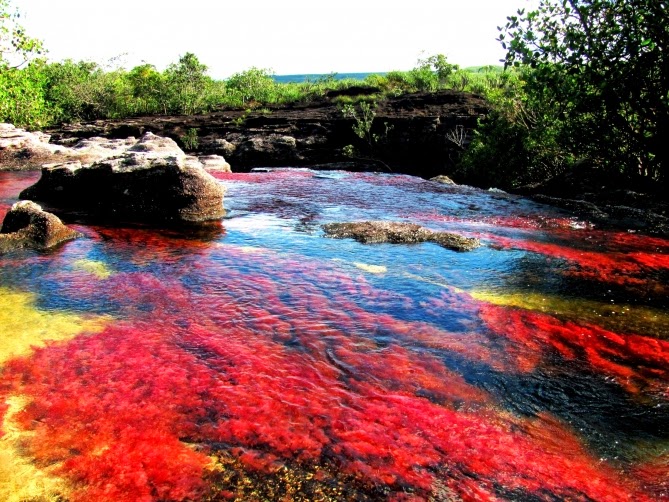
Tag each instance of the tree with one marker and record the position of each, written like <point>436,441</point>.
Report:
<point>16,47</point>
<point>148,89</point>
<point>187,81</point>
<point>21,90</point>
<point>254,84</point>
<point>602,66</point>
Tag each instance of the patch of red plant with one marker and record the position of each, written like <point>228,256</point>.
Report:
<point>276,376</point>
<point>616,268</point>
<point>636,362</point>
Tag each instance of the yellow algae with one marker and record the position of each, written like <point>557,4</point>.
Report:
<point>372,269</point>
<point>618,317</point>
<point>20,478</point>
<point>22,326</point>
<point>97,268</point>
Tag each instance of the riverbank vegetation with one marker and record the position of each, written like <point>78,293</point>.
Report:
<point>586,82</point>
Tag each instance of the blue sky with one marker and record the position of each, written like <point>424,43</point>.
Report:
<point>287,36</point>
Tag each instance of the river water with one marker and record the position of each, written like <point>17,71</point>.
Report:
<point>261,360</point>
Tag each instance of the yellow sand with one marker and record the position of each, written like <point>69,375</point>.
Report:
<point>97,268</point>
<point>20,479</point>
<point>22,326</point>
<point>621,318</point>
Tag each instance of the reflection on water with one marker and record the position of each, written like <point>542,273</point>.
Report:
<point>267,362</point>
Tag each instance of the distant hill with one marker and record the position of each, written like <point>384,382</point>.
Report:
<point>312,77</point>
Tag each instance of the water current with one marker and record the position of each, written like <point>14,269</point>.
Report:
<point>261,360</point>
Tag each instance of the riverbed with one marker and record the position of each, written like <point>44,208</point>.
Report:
<point>260,360</point>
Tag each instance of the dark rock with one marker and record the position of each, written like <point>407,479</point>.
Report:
<point>26,225</point>
<point>354,90</point>
<point>369,232</point>
<point>153,181</point>
<point>412,130</point>
<point>608,199</point>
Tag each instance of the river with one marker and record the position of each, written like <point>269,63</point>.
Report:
<point>261,360</point>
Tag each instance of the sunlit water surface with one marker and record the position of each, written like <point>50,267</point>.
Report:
<point>263,361</point>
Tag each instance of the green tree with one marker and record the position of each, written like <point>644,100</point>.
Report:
<point>16,47</point>
<point>187,83</point>
<point>602,68</point>
<point>21,90</point>
<point>22,97</point>
<point>254,84</point>
<point>148,87</point>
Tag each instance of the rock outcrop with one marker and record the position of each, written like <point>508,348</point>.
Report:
<point>153,181</point>
<point>370,232</point>
<point>26,225</point>
<point>21,149</point>
<point>410,133</point>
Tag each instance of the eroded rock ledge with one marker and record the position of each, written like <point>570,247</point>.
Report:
<point>369,232</point>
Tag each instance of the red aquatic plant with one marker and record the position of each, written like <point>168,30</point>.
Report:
<point>616,268</point>
<point>278,359</point>
<point>636,362</point>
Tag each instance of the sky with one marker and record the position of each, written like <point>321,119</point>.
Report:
<point>285,36</point>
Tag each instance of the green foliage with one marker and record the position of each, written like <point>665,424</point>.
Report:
<point>149,89</point>
<point>363,117</point>
<point>254,84</point>
<point>22,99</point>
<point>190,140</point>
<point>519,142</point>
<point>186,84</point>
<point>16,47</point>
<point>601,68</point>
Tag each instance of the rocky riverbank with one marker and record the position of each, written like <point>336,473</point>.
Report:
<point>419,134</point>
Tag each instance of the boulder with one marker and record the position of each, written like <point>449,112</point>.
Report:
<point>152,181</point>
<point>270,149</point>
<point>26,225</point>
<point>369,232</point>
<point>214,163</point>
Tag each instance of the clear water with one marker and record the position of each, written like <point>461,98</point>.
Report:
<point>261,360</point>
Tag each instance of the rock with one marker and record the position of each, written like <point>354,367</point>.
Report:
<point>153,181</point>
<point>20,149</point>
<point>442,178</point>
<point>215,163</point>
<point>412,130</point>
<point>398,233</point>
<point>91,150</point>
<point>15,138</point>
<point>27,225</point>
<point>23,149</point>
<point>218,146</point>
<point>271,149</point>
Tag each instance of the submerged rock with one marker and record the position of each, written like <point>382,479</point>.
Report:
<point>369,232</point>
<point>26,225</point>
<point>153,181</point>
